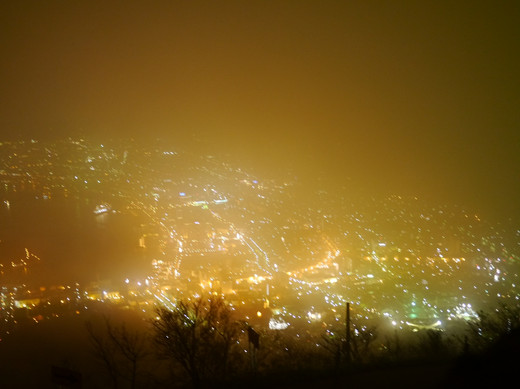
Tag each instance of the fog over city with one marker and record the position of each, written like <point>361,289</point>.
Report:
<point>338,180</point>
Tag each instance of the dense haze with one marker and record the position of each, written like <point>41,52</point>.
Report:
<point>407,97</point>
<point>341,177</point>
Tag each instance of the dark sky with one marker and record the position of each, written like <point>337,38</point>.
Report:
<point>413,96</point>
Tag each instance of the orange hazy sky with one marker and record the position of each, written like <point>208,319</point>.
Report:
<point>419,96</point>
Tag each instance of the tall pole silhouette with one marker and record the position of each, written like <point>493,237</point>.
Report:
<point>347,346</point>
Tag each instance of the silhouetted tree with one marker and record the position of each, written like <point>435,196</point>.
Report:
<point>120,350</point>
<point>394,345</point>
<point>362,342</point>
<point>198,335</point>
<point>489,327</point>
<point>433,344</point>
<point>333,343</point>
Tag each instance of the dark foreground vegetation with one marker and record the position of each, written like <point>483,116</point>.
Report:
<point>199,344</point>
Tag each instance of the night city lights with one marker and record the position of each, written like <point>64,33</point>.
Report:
<point>259,194</point>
